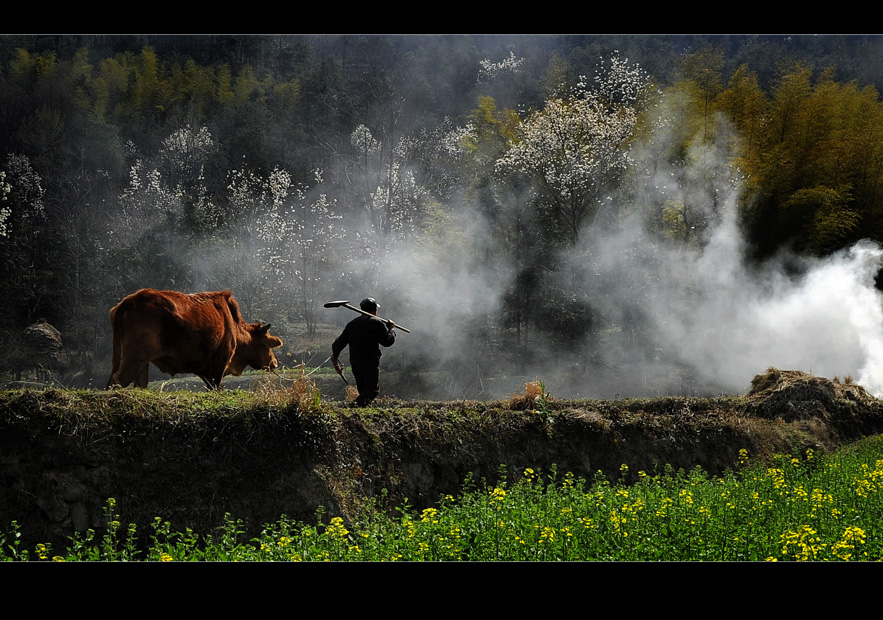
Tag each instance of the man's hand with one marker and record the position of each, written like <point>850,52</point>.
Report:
<point>337,365</point>
<point>390,325</point>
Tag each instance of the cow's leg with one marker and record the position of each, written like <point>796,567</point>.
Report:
<point>141,377</point>
<point>131,371</point>
<point>122,374</point>
<point>117,379</point>
<point>116,351</point>
<point>217,366</point>
<point>114,378</point>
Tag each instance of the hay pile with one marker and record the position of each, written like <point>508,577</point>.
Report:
<point>45,343</point>
<point>796,395</point>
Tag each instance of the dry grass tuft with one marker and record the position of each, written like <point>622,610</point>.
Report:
<point>533,391</point>
<point>280,390</point>
<point>352,393</point>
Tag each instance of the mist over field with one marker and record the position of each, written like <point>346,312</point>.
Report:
<point>704,313</point>
<point>632,216</point>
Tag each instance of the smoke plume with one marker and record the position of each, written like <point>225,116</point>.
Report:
<point>679,315</point>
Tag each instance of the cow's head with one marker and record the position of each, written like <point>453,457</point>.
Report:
<point>256,351</point>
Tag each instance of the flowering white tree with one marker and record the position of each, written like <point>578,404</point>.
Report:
<point>170,188</point>
<point>249,194</point>
<point>24,244</point>
<point>299,235</point>
<point>573,147</point>
<point>490,69</point>
<point>25,185</point>
<point>5,211</point>
<point>21,200</point>
<point>165,214</point>
<point>386,186</point>
<point>187,151</point>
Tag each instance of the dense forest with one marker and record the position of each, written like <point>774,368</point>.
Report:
<point>627,214</point>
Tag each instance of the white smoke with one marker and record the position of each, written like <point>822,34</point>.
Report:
<point>707,310</point>
<point>828,321</point>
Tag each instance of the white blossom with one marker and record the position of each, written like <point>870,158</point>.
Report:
<point>364,142</point>
<point>5,211</point>
<point>489,69</point>
<point>573,146</point>
<point>185,146</point>
<point>298,231</point>
<point>22,180</point>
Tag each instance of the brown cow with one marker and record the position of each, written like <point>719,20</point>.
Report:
<point>202,333</point>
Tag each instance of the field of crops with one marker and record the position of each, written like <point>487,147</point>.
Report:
<point>797,507</point>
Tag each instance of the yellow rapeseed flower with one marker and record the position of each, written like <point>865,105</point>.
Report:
<point>845,547</point>
<point>863,487</point>
<point>336,528</point>
<point>547,535</point>
<point>428,515</point>
<point>777,476</point>
<point>801,545</point>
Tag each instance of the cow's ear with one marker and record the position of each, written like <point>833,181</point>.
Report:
<point>263,329</point>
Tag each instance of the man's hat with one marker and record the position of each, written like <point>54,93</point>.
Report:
<point>369,304</point>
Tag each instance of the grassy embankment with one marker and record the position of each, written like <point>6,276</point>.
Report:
<point>808,506</point>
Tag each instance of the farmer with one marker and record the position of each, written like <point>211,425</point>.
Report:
<point>364,335</point>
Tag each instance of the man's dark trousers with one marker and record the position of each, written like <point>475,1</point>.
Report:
<point>368,382</point>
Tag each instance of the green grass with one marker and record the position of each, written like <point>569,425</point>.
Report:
<point>795,508</point>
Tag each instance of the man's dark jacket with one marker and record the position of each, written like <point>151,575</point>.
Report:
<point>364,335</point>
